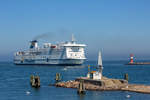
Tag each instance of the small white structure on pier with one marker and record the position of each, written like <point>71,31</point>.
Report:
<point>97,75</point>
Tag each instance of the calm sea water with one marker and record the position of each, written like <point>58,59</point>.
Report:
<point>14,81</point>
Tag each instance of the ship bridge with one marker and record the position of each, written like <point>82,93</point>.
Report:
<point>74,50</point>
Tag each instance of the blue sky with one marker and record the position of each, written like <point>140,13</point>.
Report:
<point>117,27</point>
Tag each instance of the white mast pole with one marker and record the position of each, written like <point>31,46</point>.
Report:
<point>73,39</point>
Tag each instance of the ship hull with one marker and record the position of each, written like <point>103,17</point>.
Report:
<point>51,62</point>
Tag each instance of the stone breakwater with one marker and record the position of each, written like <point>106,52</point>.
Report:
<point>108,85</point>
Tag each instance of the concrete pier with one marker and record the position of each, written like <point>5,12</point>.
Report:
<point>138,63</point>
<point>106,84</point>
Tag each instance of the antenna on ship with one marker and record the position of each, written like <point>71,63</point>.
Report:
<point>72,39</point>
<point>100,65</point>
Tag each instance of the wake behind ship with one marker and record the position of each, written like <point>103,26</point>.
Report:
<point>68,53</point>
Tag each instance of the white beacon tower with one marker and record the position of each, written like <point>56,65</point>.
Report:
<point>100,65</point>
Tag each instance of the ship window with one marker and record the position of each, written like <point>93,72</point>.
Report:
<point>75,49</point>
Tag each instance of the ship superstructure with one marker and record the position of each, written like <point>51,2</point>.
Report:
<point>68,53</point>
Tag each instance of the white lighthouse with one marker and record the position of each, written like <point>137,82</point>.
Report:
<point>100,65</point>
<point>97,75</point>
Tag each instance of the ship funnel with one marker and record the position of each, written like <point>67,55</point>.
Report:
<point>34,44</point>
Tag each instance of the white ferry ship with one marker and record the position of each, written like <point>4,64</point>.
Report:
<point>68,53</point>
